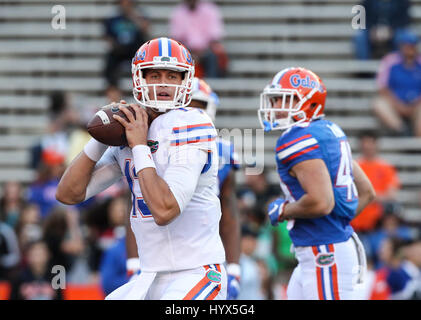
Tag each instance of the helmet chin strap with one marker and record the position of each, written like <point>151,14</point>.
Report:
<point>162,106</point>
<point>307,97</point>
<point>283,123</point>
<point>267,126</point>
<point>315,114</point>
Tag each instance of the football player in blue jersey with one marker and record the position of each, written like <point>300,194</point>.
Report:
<point>229,227</point>
<point>324,189</point>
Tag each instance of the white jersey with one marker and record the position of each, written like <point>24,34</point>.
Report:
<point>192,239</point>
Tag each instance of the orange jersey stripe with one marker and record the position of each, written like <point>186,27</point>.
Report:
<point>300,153</point>
<point>214,293</point>
<point>208,124</point>
<point>292,142</point>
<point>192,141</point>
<point>198,286</point>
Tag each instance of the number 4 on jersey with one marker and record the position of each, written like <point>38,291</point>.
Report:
<point>344,175</point>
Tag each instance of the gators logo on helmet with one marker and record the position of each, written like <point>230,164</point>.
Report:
<point>294,95</point>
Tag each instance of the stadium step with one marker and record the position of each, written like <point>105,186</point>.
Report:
<point>266,68</point>
<point>231,12</point>
<point>241,30</point>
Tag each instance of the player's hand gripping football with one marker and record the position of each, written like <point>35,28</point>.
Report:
<point>136,127</point>
<point>275,210</point>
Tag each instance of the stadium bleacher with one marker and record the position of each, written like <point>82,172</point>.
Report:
<point>262,37</point>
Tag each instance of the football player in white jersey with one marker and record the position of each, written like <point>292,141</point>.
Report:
<point>229,227</point>
<point>204,98</point>
<point>171,165</point>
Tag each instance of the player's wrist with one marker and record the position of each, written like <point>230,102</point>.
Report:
<point>234,270</point>
<point>132,266</point>
<point>94,149</point>
<point>234,273</point>
<point>276,211</point>
<point>282,215</point>
<point>142,157</point>
<point>139,142</point>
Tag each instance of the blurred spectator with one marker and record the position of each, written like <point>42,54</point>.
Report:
<point>253,198</point>
<point>98,229</point>
<point>106,224</point>
<point>384,179</point>
<point>200,27</point>
<point>407,277</point>
<point>403,263</point>
<point>113,94</point>
<point>255,195</point>
<point>391,226</point>
<point>49,155</point>
<point>267,280</point>
<point>34,281</point>
<point>28,227</point>
<point>63,118</point>
<point>9,251</point>
<point>280,285</point>
<point>63,236</point>
<point>253,217</point>
<point>251,277</point>
<point>113,266</point>
<point>117,211</point>
<point>125,32</point>
<point>375,286</point>
<point>11,202</point>
<point>398,104</point>
<point>385,19</point>
<point>265,253</point>
<point>285,259</point>
<point>43,190</point>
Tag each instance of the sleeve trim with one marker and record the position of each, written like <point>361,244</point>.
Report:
<point>285,145</point>
<point>296,147</point>
<point>192,127</point>
<point>300,153</point>
<point>180,142</point>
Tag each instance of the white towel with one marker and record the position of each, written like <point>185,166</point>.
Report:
<point>361,258</point>
<point>135,289</point>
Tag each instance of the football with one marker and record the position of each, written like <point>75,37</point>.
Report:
<point>104,128</point>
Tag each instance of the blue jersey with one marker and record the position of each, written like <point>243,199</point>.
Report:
<point>227,160</point>
<point>319,139</point>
